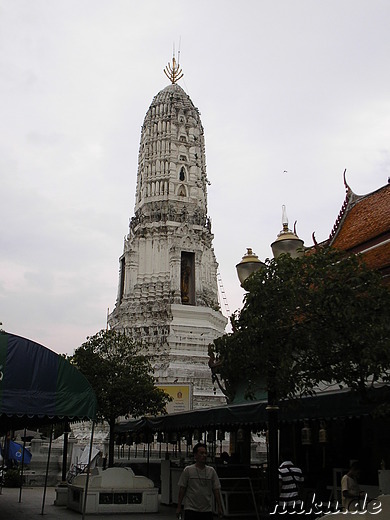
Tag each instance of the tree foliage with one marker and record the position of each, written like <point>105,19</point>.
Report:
<point>121,376</point>
<point>322,318</point>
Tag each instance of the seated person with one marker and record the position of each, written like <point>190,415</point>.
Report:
<point>351,493</point>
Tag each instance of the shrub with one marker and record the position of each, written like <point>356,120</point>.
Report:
<point>12,478</point>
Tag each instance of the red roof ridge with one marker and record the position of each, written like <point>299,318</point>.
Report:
<point>348,195</point>
<point>351,199</point>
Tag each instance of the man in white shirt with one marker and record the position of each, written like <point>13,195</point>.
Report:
<point>198,484</point>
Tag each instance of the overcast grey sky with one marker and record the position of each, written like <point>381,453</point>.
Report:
<point>295,85</point>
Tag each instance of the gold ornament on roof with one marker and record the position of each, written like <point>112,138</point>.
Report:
<point>173,73</point>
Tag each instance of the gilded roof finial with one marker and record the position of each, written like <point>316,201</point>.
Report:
<point>173,73</point>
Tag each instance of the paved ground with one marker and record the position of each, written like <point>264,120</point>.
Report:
<point>30,508</point>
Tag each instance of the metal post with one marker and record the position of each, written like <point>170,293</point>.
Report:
<point>88,471</point>
<point>47,469</point>
<point>65,451</point>
<point>22,469</point>
<point>272,412</point>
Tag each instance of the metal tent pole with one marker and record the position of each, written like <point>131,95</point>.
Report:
<point>47,469</point>
<point>65,451</point>
<point>21,473</point>
<point>88,470</point>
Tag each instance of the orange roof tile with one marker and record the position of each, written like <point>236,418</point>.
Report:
<point>379,257</point>
<point>365,219</point>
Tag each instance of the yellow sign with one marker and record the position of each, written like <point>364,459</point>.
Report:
<point>181,397</point>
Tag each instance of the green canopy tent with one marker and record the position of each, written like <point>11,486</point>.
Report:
<point>38,386</point>
<point>324,405</point>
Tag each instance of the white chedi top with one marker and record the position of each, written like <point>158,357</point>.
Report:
<point>167,291</point>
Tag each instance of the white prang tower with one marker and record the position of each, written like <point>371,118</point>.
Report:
<point>168,292</point>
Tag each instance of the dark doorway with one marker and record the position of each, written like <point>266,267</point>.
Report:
<point>187,278</point>
<point>122,279</point>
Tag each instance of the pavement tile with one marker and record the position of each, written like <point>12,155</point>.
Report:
<point>30,507</point>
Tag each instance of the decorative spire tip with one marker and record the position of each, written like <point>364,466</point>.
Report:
<point>173,73</point>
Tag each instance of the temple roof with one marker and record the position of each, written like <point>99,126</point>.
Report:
<point>363,226</point>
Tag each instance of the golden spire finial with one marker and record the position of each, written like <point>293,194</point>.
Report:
<point>173,73</point>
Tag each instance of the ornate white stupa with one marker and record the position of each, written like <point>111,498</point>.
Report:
<point>168,291</point>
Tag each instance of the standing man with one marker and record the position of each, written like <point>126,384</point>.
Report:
<point>197,485</point>
<point>290,483</point>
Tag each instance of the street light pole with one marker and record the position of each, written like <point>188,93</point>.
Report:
<point>287,242</point>
<point>273,449</point>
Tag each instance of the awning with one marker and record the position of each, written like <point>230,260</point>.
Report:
<point>325,405</point>
<point>39,386</point>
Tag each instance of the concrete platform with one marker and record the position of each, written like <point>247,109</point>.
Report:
<point>30,508</point>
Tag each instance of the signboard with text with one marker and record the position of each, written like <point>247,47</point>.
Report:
<point>181,396</point>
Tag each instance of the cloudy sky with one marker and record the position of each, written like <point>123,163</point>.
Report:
<point>296,86</point>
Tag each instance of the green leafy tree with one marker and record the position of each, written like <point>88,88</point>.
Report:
<point>322,318</point>
<point>122,378</point>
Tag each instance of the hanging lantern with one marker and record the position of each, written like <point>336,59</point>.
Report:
<point>306,438</point>
<point>173,437</point>
<point>211,436</point>
<point>323,433</point>
<point>240,435</point>
<point>221,435</point>
<point>198,435</point>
